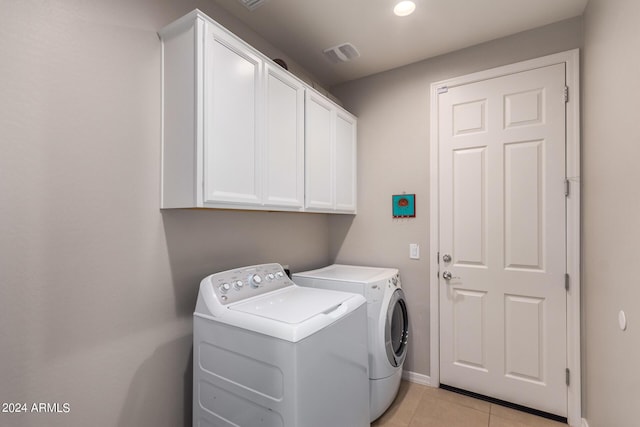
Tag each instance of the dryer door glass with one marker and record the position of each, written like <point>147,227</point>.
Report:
<point>396,329</point>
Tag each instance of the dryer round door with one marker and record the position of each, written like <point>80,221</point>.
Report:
<point>396,333</point>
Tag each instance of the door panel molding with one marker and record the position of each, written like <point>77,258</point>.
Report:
<point>471,121</point>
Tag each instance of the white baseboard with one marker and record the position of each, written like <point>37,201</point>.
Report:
<point>585,423</point>
<point>414,377</point>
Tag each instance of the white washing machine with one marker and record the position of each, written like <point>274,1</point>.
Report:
<point>268,353</point>
<point>387,319</point>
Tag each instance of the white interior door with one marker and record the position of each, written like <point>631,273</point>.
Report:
<point>502,227</point>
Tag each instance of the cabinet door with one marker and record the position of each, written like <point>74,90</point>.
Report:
<point>319,153</point>
<point>345,172</point>
<point>231,120</point>
<point>284,144</point>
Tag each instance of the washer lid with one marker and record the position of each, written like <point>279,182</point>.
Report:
<point>349,273</point>
<point>292,305</point>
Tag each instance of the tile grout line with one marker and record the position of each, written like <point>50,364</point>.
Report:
<point>440,398</point>
<point>415,410</point>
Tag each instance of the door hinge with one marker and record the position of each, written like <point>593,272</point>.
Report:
<point>438,259</point>
<point>566,281</point>
<point>442,89</point>
<point>567,187</point>
<point>567,376</point>
<point>566,94</point>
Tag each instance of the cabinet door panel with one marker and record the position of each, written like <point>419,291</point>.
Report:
<point>345,162</point>
<point>232,153</point>
<point>284,145</point>
<point>319,154</point>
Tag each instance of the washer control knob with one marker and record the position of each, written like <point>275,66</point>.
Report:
<point>255,280</point>
<point>224,288</point>
<point>238,285</point>
<point>395,281</point>
<point>279,274</point>
<point>271,276</point>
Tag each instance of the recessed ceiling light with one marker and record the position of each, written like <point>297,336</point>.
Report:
<point>404,8</point>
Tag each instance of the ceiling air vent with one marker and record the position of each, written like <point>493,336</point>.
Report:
<point>252,4</point>
<point>342,53</point>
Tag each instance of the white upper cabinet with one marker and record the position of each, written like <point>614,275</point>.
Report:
<point>319,142</point>
<point>284,146</point>
<point>345,174</point>
<point>330,165</point>
<point>232,135</point>
<point>234,129</point>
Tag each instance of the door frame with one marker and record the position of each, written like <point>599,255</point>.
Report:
<point>571,59</point>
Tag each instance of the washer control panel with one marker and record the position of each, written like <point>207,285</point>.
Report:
<point>246,282</point>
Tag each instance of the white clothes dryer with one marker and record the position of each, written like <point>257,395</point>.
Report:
<point>269,353</point>
<point>387,320</point>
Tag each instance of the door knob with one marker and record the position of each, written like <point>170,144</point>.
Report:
<point>446,275</point>
<point>446,258</point>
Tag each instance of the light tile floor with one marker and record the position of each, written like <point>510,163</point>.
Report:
<point>421,406</point>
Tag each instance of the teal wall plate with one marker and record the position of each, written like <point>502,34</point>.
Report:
<point>404,205</point>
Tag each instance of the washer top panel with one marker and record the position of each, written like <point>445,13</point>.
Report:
<point>262,299</point>
<point>292,305</point>
<point>350,273</point>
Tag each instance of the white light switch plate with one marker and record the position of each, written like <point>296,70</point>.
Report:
<point>414,251</point>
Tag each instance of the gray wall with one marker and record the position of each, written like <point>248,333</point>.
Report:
<point>393,157</point>
<point>611,207</point>
<point>97,285</point>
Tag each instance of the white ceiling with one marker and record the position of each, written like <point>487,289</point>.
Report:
<point>302,29</point>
